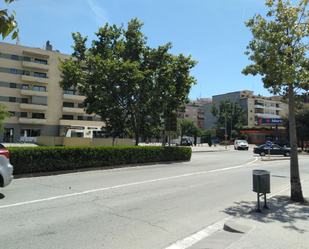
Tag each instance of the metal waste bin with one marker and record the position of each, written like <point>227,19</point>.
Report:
<point>261,181</point>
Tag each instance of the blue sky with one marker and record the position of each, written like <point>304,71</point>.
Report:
<point>212,31</point>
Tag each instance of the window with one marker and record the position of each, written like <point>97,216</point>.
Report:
<point>70,92</point>
<point>38,115</point>
<point>251,119</point>
<point>68,104</point>
<point>26,58</point>
<point>23,114</point>
<point>67,117</point>
<point>40,75</point>
<point>80,105</point>
<point>14,57</point>
<point>89,118</point>
<point>25,87</point>
<point>25,72</point>
<point>187,115</point>
<point>12,85</point>
<point>12,99</point>
<point>193,116</point>
<point>24,100</point>
<point>13,71</point>
<point>13,113</point>
<point>80,117</point>
<point>187,110</point>
<point>44,62</point>
<point>194,110</point>
<point>39,88</point>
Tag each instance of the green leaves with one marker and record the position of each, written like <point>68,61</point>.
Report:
<point>279,45</point>
<point>8,23</point>
<point>127,83</point>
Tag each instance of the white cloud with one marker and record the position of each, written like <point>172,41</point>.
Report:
<point>100,14</point>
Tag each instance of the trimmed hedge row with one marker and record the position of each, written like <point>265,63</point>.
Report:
<point>43,159</point>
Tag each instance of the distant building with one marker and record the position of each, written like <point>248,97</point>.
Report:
<point>193,112</point>
<point>257,107</point>
<point>29,88</point>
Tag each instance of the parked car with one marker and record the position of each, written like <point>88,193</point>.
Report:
<point>274,150</point>
<point>282,143</point>
<point>186,142</point>
<point>241,145</point>
<point>6,169</point>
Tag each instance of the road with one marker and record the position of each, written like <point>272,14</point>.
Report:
<point>134,207</point>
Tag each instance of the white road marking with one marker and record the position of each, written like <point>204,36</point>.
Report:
<point>194,238</point>
<point>124,185</point>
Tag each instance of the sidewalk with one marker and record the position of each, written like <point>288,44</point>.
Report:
<point>284,225</point>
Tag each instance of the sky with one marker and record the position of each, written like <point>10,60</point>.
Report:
<point>211,31</point>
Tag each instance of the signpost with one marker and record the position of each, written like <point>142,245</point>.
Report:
<point>269,144</point>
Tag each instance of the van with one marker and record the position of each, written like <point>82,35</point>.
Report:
<point>241,145</point>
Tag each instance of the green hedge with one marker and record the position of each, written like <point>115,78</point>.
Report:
<point>43,159</point>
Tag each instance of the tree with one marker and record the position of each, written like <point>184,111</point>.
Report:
<point>302,126</point>
<point>229,114</point>
<point>3,115</point>
<point>126,82</point>
<point>278,51</point>
<point>188,128</point>
<point>7,22</point>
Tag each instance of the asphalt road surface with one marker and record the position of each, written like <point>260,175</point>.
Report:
<point>139,207</point>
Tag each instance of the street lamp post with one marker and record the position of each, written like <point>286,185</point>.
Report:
<point>225,135</point>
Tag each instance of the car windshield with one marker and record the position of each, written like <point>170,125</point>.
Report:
<point>242,141</point>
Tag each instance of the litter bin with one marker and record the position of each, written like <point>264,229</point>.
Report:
<point>261,181</point>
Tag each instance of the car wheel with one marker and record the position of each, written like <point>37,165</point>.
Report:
<point>247,149</point>
<point>287,154</point>
<point>262,153</point>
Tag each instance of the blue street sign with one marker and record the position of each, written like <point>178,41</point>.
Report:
<point>269,144</point>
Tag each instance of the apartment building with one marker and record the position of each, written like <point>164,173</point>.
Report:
<point>193,112</point>
<point>30,90</point>
<point>257,107</point>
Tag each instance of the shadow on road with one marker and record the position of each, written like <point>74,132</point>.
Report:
<point>2,196</point>
<point>281,209</point>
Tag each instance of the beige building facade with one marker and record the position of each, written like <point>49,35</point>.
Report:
<point>193,112</point>
<point>30,90</point>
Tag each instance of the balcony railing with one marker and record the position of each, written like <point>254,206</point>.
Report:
<point>33,93</point>
<point>73,110</point>
<point>33,65</point>
<point>32,121</point>
<point>33,79</point>
<point>73,97</point>
<point>26,106</point>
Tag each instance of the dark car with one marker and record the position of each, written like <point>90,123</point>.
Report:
<point>274,150</point>
<point>186,142</point>
<point>282,143</point>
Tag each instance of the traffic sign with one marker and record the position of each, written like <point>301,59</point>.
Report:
<point>269,144</point>
<point>226,135</point>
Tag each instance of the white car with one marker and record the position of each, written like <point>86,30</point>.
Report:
<point>241,145</point>
<point>6,169</point>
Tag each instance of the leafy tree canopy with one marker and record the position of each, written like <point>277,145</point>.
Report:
<point>127,83</point>
<point>3,115</point>
<point>232,113</point>
<point>279,53</point>
<point>7,22</point>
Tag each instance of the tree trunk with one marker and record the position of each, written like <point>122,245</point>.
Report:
<point>296,191</point>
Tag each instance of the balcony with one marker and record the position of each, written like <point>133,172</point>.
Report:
<point>267,115</point>
<point>35,54</point>
<point>33,65</point>
<point>73,97</point>
<point>25,106</point>
<point>81,122</point>
<point>27,78</point>
<point>73,110</point>
<point>33,93</point>
<point>32,121</point>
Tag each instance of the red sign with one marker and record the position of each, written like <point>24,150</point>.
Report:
<point>226,135</point>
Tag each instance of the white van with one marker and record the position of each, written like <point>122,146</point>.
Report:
<point>241,145</point>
